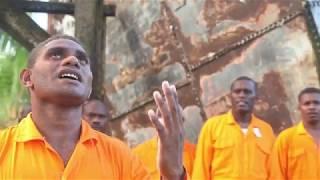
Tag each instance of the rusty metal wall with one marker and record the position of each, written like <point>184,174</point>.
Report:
<point>201,46</point>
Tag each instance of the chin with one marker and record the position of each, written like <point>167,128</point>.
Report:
<point>70,99</point>
<point>314,121</point>
<point>243,111</point>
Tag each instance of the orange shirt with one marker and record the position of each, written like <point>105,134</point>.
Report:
<point>225,152</point>
<point>147,152</point>
<point>295,156</point>
<point>25,154</point>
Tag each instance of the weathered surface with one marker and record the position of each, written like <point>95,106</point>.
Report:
<point>149,41</point>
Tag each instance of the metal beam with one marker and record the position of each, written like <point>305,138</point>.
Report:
<point>55,7</point>
<point>91,31</point>
<point>312,9</point>
<point>20,26</point>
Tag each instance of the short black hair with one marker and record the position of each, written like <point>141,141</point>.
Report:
<point>36,50</point>
<point>308,90</point>
<point>107,106</point>
<point>244,78</point>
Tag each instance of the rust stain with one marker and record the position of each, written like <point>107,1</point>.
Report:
<point>271,105</point>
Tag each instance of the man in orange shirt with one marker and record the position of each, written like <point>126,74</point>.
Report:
<point>97,114</point>
<point>235,145</point>
<point>147,152</point>
<point>52,142</point>
<point>296,152</point>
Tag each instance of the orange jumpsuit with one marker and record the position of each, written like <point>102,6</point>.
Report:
<point>25,154</point>
<point>147,152</point>
<point>225,152</point>
<point>295,156</point>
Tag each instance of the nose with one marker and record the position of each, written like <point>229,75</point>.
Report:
<point>242,94</point>
<point>71,61</point>
<point>96,121</point>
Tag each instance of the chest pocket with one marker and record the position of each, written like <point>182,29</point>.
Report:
<point>296,157</point>
<point>264,147</point>
<point>296,152</point>
<point>223,156</point>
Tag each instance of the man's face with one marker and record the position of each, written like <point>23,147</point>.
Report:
<point>309,106</point>
<point>243,96</point>
<point>61,73</point>
<point>97,115</point>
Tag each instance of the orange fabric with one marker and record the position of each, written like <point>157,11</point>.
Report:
<point>224,152</point>
<point>295,155</point>
<point>147,152</point>
<point>25,154</point>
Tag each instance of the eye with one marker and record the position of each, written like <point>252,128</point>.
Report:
<point>56,54</point>
<point>247,91</point>
<point>83,58</point>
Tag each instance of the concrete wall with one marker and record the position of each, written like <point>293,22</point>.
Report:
<point>151,41</point>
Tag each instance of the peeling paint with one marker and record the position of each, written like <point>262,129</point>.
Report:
<point>148,41</point>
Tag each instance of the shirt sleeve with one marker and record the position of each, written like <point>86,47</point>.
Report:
<point>204,154</point>
<point>277,166</point>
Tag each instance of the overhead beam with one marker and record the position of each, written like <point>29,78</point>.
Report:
<point>55,7</point>
<point>20,26</point>
<point>91,31</point>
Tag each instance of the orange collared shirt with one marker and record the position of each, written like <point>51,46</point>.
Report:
<point>225,152</point>
<point>147,152</point>
<point>25,154</point>
<point>295,156</point>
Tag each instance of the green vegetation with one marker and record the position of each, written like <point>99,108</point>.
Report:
<point>13,96</point>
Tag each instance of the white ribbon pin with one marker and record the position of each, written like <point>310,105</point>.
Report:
<point>257,132</point>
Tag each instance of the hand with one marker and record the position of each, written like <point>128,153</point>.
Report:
<point>169,126</point>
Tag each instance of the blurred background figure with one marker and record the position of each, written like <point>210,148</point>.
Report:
<point>98,115</point>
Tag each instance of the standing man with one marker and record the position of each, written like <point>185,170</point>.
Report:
<point>235,145</point>
<point>296,152</point>
<point>52,142</point>
<point>97,114</point>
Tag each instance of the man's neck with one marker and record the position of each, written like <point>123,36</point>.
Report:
<point>54,120</point>
<point>312,126</point>
<point>60,126</point>
<point>314,130</point>
<point>243,119</point>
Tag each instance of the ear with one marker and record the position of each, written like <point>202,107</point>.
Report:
<point>25,78</point>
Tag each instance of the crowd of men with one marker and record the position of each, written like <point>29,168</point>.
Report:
<point>60,138</point>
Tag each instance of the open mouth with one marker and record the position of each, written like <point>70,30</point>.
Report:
<point>242,103</point>
<point>70,75</point>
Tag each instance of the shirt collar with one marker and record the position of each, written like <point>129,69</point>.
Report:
<point>232,121</point>
<point>300,129</point>
<point>27,131</point>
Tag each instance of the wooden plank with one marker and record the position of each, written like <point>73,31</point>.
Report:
<point>55,7</point>
<point>91,31</point>
<point>20,26</point>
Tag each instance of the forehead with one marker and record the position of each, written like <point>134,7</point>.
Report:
<point>243,84</point>
<point>310,97</point>
<point>64,44</point>
<point>95,106</point>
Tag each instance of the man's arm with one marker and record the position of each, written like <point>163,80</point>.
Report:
<point>169,126</point>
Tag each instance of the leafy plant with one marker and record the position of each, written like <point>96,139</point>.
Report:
<point>13,96</point>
